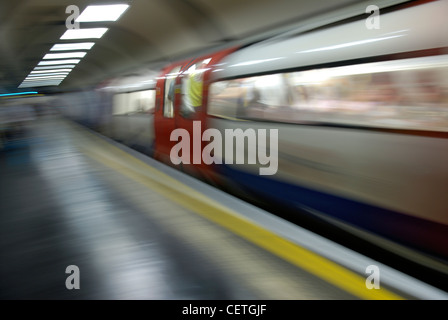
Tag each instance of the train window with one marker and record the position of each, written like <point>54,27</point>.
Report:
<point>120,104</point>
<point>134,102</point>
<point>228,98</point>
<point>168,107</point>
<point>192,86</point>
<point>141,101</point>
<point>147,101</point>
<point>255,97</point>
<point>403,94</point>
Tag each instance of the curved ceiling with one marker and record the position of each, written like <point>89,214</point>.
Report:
<point>149,34</point>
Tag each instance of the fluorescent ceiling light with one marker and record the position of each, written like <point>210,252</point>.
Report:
<point>50,71</point>
<point>65,55</point>
<point>102,13</point>
<point>48,74</point>
<point>43,84</point>
<point>46,77</point>
<point>71,66</point>
<point>88,33</point>
<point>40,83</point>
<point>50,62</point>
<point>73,46</point>
<point>34,83</point>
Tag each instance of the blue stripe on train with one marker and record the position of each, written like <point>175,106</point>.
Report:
<point>422,234</point>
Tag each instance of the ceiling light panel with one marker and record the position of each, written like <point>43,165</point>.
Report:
<point>102,13</point>
<point>49,77</point>
<point>72,46</point>
<point>42,81</point>
<point>50,71</point>
<point>48,74</point>
<point>55,62</point>
<point>46,77</point>
<point>68,66</point>
<point>40,84</point>
<point>88,33</point>
<point>64,55</point>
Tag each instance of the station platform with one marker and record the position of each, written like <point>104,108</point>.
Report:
<point>138,229</point>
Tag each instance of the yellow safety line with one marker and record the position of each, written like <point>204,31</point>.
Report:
<point>227,218</point>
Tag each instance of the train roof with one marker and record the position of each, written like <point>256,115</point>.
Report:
<point>411,29</point>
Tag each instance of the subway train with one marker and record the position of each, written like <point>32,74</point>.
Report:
<point>352,117</point>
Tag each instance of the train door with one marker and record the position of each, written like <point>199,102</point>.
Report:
<point>181,103</point>
<point>190,113</point>
<point>164,121</point>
